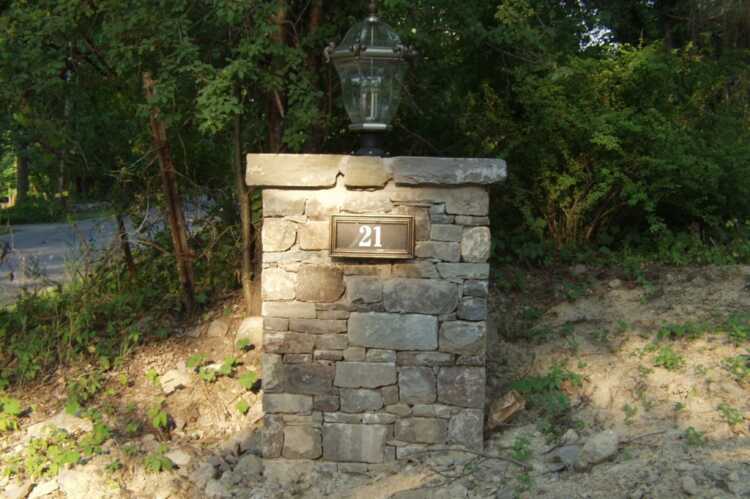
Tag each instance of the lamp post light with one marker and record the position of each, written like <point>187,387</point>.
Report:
<point>371,63</point>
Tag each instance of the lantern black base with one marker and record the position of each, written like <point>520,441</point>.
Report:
<point>370,144</point>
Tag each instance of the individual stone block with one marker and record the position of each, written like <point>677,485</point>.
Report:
<point>320,284</point>
<point>468,200</point>
<point>295,310</point>
<point>419,270</point>
<point>278,235</point>
<point>356,443</point>
<point>323,205</point>
<point>272,367</point>
<point>424,359</point>
<point>307,379</point>
<point>444,232</point>
<point>302,442</point>
<point>333,314</point>
<point>317,326</point>
<point>287,403</point>
<point>421,296</point>
<point>293,170</point>
<point>315,419</point>
<point>466,428</point>
<point>278,285</point>
<point>390,394</point>
<point>364,289</point>
<point>298,358</point>
<point>447,252</point>
<point>467,338</point>
<point>272,436</point>
<point>434,411</point>
<point>478,289</point>
<point>331,342</point>
<point>366,171</point>
<point>275,324</point>
<point>461,386</point>
<point>326,403</point>
<point>282,203</point>
<point>416,385</point>
<point>342,417</point>
<point>366,269</point>
<point>401,409</point>
<point>379,418</point>
<point>354,354</point>
<point>364,375</point>
<point>464,220</point>
<point>330,355</point>
<point>421,220</point>
<point>447,171</point>
<point>472,309</point>
<point>422,430</point>
<point>393,331</point>
<point>361,400</point>
<point>366,202</point>
<point>375,355</point>
<point>276,342</point>
<point>314,236</point>
<point>464,270</point>
<point>475,245</point>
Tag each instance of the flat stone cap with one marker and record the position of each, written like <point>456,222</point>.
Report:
<point>322,170</point>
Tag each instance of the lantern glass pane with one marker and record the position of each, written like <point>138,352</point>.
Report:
<point>371,88</point>
<point>372,34</point>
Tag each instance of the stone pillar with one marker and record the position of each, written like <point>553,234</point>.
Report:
<point>367,360</point>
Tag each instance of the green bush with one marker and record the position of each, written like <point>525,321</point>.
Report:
<point>34,210</point>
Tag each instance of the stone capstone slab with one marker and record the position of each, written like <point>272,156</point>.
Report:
<point>357,443</point>
<point>420,296</point>
<point>278,235</point>
<point>475,245</point>
<point>466,338</point>
<point>278,285</point>
<point>293,170</point>
<point>364,374</point>
<point>422,430</point>
<point>282,203</point>
<point>365,171</point>
<point>416,385</point>
<point>461,386</point>
<point>319,283</point>
<point>466,428</point>
<point>302,442</point>
<point>294,310</point>
<point>361,400</point>
<point>287,403</point>
<point>393,331</point>
<point>447,171</point>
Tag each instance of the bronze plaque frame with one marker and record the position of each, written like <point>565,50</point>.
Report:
<point>400,223</point>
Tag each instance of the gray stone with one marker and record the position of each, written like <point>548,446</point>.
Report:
<point>294,310</point>
<point>361,400</point>
<point>464,270</point>
<point>341,417</point>
<point>319,284</point>
<point>450,491</point>
<point>251,330</point>
<point>249,467</point>
<point>331,342</point>
<point>447,252</point>
<point>364,375</point>
<point>278,285</point>
<point>475,245</point>
<point>393,331</point>
<point>400,409</point>
<point>281,203</point>
<point>475,288</point>
<point>298,358</point>
<point>424,359</point>
<point>302,442</point>
<point>321,208</point>
<point>569,455</point>
<point>42,489</point>
<point>366,269</point>
<point>447,171</point>
<point>317,326</point>
<point>82,483</point>
<point>216,489</point>
<point>471,221</point>
<point>278,342</point>
<point>218,328</point>
<point>460,337</point>
<point>354,354</point>
<point>278,235</point>
<point>179,457</point>
<point>63,421</point>
<point>390,394</point>
<point>379,418</point>
<point>422,430</point>
<point>375,355</point>
<point>458,200</point>
<point>365,171</point>
<point>422,221</point>
<point>364,289</point>
<point>332,355</point>
<point>333,314</point>
<point>689,486</point>
<point>326,403</point>
<point>272,367</point>
<point>16,490</point>
<point>314,236</point>
<point>448,233</point>
<point>416,385</point>
<point>307,379</point>
<point>598,448</point>
<point>472,360</point>
<point>353,468</point>
<point>419,270</point>
<point>275,324</point>
<point>462,386</point>
<point>293,170</point>
<point>472,309</point>
<point>315,419</point>
<point>466,428</point>
<point>421,296</point>
<point>434,411</point>
<point>355,442</point>
<point>287,403</point>
<point>366,202</point>
<point>174,379</point>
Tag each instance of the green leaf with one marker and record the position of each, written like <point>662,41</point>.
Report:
<point>242,406</point>
<point>248,379</point>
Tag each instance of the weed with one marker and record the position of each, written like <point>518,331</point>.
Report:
<point>227,366</point>
<point>242,406</point>
<point>738,328</point>
<point>244,345</point>
<point>157,462</point>
<point>678,407</point>
<point>207,374</point>
<point>545,394</point>
<point>694,437</point>
<point>630,413</point>
<point>158,416</point>
<point>10,411</point>
<point>44,457</point>
<point>600,336</point>
<point>196,361</point>
<point>130,450</point>
<point>531,314</point>
<point>114,466</point>
<point>248,379</point>
<point>132,428</point>
<point>731,415</point>
<point>686,331</point>
<point>574,291</point>
<point>644,372</point>
<point>153,377</point>
<point>669,359</point>
<point>524,483</point>
<point>738,367</point>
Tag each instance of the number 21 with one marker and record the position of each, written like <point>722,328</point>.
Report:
<point>366,233</point>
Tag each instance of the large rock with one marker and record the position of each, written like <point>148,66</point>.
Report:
<point>393,331</point>
<point>314,236</point>
<point>278,285</point>
<point>218,328</point>
<point>364,290</point>
<point>447,171</point>
<point>293,170</point>
<point>416,385</point>
<point>251,329</point>
<point>320,284</point>
<point>356,443</point>
<point>63,421</point>
<point>462,386</point>
<point>174,379</point>
<point>466,428</point>
<point>466,338</point>
<point>464,270</point>
<point>475,244</point>
<point>366,171</point>
<point>302,442</point>
<point>278,235</point>
<point>472,309</point>
<point>420,296</point>
<point>361,400</point>
<point>282,203</point>
<point>447,252</point>
<point>272,367</point>
<point>364,374</point>
<point>422,430</point>
<point>598,448</point>
<point>293,310</point>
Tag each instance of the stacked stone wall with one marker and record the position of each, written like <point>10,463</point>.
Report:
<point>366,361</point>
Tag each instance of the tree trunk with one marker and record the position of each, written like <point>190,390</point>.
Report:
<point>122,236</point>
<point>274,101</point>
<point>319,129</point>
<point>246,214</point>
<point>175,214</point>
<point>22,177</point>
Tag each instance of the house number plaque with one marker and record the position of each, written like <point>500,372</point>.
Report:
<point>372,237</point>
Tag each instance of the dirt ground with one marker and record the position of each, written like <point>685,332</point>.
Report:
<point>656,361</point>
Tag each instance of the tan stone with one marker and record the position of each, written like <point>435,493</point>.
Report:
<point>314,236</point>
